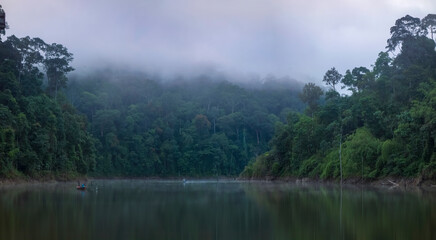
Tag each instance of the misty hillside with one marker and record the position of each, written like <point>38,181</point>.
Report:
<point>154,119</point>
<point>126,123</point>
<point>197,127</point>
<point>119,123</point>
<point>386,127</point>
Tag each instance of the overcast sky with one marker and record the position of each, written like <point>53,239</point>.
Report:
<point>301,39</point>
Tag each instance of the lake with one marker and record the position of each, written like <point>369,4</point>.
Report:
<point>146,209</point>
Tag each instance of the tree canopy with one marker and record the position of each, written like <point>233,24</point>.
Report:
<point>106,124</point>
<point>384,128</point>
<point>39,136</point>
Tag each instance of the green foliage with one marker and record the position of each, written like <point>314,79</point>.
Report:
<point>261,167</point>
<point>140,127</point>
<point>38,135</point>
<point>360,153</point>
<point>387,127</point>
<point>331,167</point>
<point>311,167</point>
<point>194,128</point>
<point>310,95</point>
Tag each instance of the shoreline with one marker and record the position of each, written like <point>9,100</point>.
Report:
<point>387,182</point>
<point>390,182</point>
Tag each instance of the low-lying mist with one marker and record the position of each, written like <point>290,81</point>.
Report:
<point>248,81</point>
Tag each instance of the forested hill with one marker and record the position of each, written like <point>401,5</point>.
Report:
<point>41,134</point>
<point>386,127</point>
<point>123,124</point>
<point>197,127</point>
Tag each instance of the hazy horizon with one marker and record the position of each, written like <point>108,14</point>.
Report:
<point>244,38</point>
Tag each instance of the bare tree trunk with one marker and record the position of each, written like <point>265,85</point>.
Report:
<point>340,154</point>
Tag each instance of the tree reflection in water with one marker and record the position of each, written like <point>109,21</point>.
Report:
<point>133,209</point>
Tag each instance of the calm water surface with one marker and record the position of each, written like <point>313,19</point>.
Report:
<point>137,209</point>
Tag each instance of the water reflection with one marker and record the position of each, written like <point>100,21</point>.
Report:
<point>209,210</point>
<point>319,212</point>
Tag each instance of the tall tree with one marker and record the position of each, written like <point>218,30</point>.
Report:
<point>29,75</point>
<point>382,65</point>
<point>310,95</point>
<point>332,77</point>
<point>57,66</point>
<point>405,28</point>
<point>358,79</point>
<point>54,58</point>
<point>429,23</point>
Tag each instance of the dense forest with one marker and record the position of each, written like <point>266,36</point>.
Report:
<point>137,127</point>
<point>119,123</point>
<point>197,127</point>
<point>41,134</point>
<point>385,127</point>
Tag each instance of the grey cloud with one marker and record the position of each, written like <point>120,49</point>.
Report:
<point>301,39</point>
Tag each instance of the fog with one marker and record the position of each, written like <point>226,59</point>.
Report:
<point>246,39</point>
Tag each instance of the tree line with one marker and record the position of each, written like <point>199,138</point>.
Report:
<point>196,127</point>
<point>106,124</point>
<point>386,126</point>
<point>109,124</point>
<point>41,133</point>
